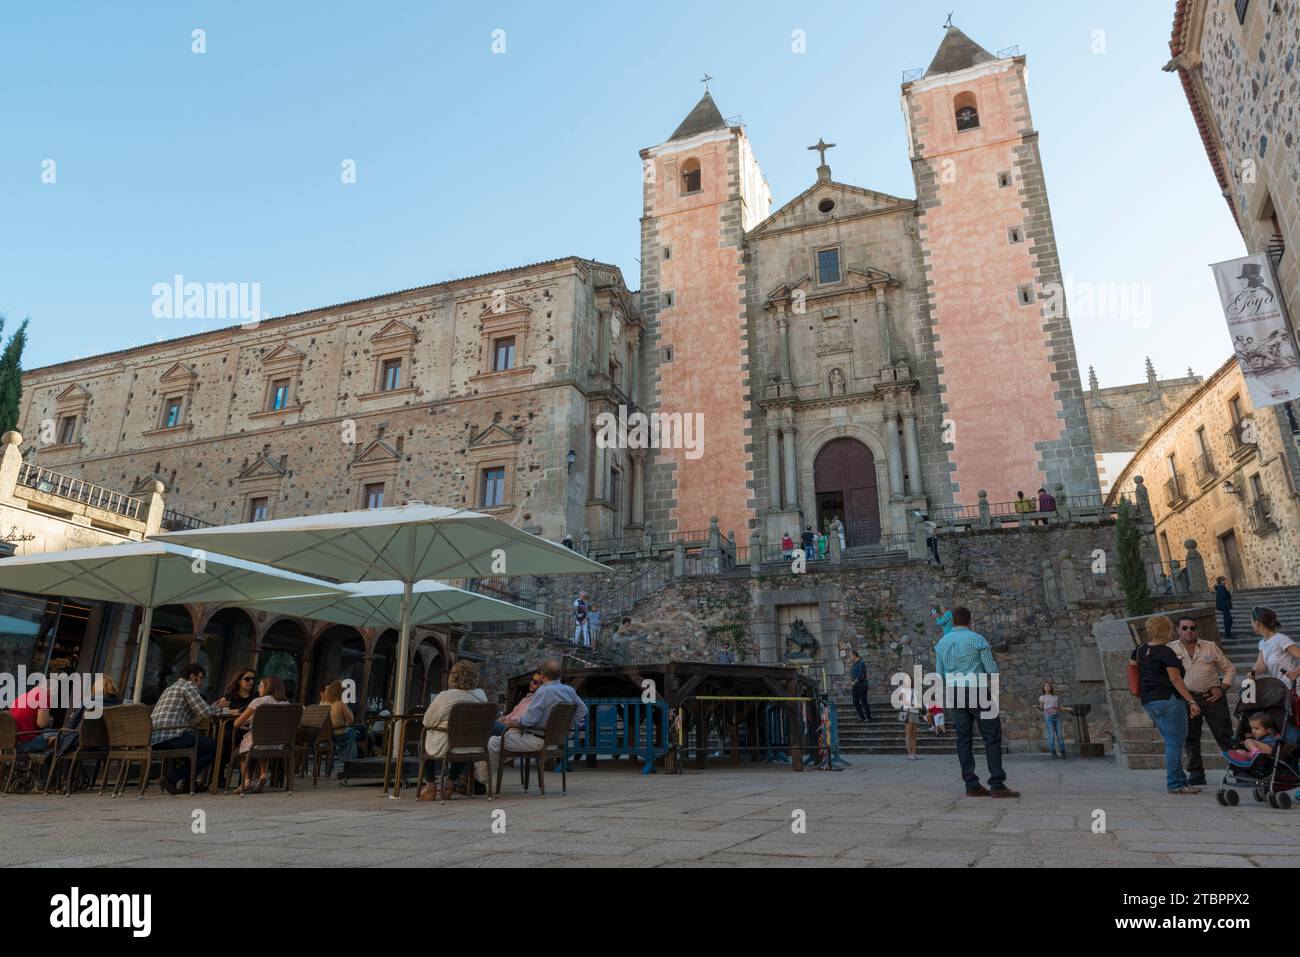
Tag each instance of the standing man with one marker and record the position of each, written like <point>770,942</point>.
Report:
<point>808,542</point>
<point>581,631</point>
<point>1223,604</point>
<point>1208,676</point>
<point>931,537</point>
<point>858,672</point>
<point>965,660</point>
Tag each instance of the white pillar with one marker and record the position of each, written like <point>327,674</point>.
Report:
<point>913,453</point>
<point>783,342</point>
<point>638,487</point>
<point>894,453</point>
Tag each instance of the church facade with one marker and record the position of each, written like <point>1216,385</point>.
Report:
<point>858,355</point>
<point>851,355</point>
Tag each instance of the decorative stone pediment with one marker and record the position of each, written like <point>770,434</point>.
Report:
<point>378,453</point>
<point>72,400</point>
<point>804,210</point>
<point>263,467</point>
<point>857,279</point>
<point>179,374</point>
<point>395,332</point>
<point>503,306</point>
<point>494,435</point>
<point>283,355</point>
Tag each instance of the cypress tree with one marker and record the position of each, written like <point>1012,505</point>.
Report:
<point>11,378</point>
<point>1132,572</point>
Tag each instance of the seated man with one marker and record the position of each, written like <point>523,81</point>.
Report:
<point>553,691</point>
<point>176,711</point>
<point>31,713</point>
<point>517,712</point>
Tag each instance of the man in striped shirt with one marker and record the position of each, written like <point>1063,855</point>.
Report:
<point>966,662</point>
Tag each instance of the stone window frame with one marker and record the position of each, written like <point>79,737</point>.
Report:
<point>1015,235</point>
<point>177,383</point>
<point>839,263</point>
<point>495,454</point>
<point>283,362</point>
<point>503,318</point>
<point>666,253</point>
<point>395,341</point>
<point>363,491</point>
<point>71,403</point>
<point>668,299</point>
<point>1025,294</point>
<point>250,504</point>
<point>1005,179</point>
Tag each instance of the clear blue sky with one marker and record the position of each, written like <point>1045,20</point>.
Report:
<point>225,166</point>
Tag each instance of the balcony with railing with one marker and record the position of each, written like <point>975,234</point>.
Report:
<point>47,482</point>
<point>1241,439</point>
<point>1260,513</point>
<point>1204,469</point>
<point>174,521</point>
<point>1175,491</point>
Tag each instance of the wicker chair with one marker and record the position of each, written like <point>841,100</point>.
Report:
<point>8,749</point>
<point>129,731</point>
<point>92,743</point>
<point>275,731</point>
<point>315,740</point>
<point>555,736</point>
<point>468,728</point>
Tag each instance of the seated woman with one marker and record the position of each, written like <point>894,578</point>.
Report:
<point>104,695</point>
<point>500,726</point>
<point>242,690</point>
<point>271,691</point>
<point>462,685</point>
<point>345,740</point>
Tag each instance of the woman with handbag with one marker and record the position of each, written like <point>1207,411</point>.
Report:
<point>1155,674</point>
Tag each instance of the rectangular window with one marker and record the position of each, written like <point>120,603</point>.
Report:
<point>668,252</point>
<point>172,413</point>
<point>279,394</point>
<point>1004,180</point>
<point>1025,295</point>
<point>1014,235</point>
<point>493,491</point>
<point>374,495</point>
<point>392,378</point>
<point>1234,409</point>
<point>257,509</point>
<point>828,266</point>
<point>669,299</point>
<point>1200,441</point>
<point>503,354</point>
<point>1256,487</point>
<point>67,430</point>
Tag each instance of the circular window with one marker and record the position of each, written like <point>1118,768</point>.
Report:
<point>826,205</point>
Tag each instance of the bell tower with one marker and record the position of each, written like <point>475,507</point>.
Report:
<point>1009,378</point>
<point>702,190</point>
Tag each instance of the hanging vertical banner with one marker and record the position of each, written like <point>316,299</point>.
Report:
<point>1261,335</point>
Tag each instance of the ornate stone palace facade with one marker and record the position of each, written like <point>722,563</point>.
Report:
<point>852,354</point>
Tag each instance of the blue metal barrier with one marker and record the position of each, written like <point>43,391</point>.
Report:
<point>623,726</point>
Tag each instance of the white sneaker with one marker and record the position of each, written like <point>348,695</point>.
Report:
<point>914,757</point>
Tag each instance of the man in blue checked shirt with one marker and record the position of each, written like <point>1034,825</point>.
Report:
<point>965,660</point>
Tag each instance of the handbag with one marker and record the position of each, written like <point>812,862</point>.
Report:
<point>1135,676</point>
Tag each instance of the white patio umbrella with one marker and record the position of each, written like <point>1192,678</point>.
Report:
<point>379,605</point>
<point>151,574</point>
<point>409,543</point>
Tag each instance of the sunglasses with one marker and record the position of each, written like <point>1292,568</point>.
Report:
<point>1186,627</point>
<point>244,678</point>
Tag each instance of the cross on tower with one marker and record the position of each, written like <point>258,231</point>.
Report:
<point>705,80</point>
<point>948,23</point>
<point>821,147</point>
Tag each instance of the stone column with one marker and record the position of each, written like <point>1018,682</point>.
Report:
<point>882,322</point>
<point>634,374</point>
<point>154,516</point>
<point>638,487</point>
<point>985,519</point>
<point>791,489</point>
<point>1070,585</point>
<point>783,345</point>
<point>894,454</point>
<point>601,478</point>
<point>755,552</point>
<point>773,466</point>
<point>913,453</point>
<point>10,463</point>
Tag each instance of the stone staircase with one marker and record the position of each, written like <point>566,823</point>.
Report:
<point>1145,749</point>
<point>884,734</point>
<point>1243,648</point>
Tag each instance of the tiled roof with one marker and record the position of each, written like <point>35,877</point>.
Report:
<point>957,52</point>
<point>706,116</point>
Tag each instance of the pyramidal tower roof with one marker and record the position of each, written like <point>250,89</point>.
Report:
<point>706,116</point>
<point>957,52</point>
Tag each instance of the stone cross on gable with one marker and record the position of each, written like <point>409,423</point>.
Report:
<point>821,147</point>
<point>705,80</point>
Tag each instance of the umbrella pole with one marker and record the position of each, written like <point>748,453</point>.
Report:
<point>399,696</point>
<point>146,626</point>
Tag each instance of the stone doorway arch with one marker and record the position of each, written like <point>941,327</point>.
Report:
<point>845,486</point>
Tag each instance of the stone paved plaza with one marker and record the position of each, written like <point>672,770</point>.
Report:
<point>883,811</point>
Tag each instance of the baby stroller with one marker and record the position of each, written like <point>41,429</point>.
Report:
<point>1269,777</point>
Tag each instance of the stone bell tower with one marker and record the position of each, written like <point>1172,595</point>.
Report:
<point>1013,400</point>
<point>702,190</point>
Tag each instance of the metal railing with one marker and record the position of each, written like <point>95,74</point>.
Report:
<point>760,725</point>
<point>1204,469</point>
<point>1174,491</point>
<point>1260,513</point>
<point>174,521</point>
<point>618,727</point>
<point>1238,435</point>
<point>76,490</point>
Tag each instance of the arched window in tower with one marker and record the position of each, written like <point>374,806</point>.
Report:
<point>968,117</point>
<point>691,176</point>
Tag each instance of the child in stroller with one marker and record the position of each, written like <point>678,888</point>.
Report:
<point>1268,763</point>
